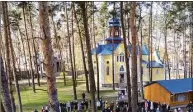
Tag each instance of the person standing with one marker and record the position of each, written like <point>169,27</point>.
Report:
<point>98,104</point>
<point>106,105</point>
<point>68,106</point>
<point>146,106</point>
<point>86,104</point>
<point>157,110</point>
<point>151,106</point>
<point>46,109</point>
<point>79,106</point>
<point>190,107</point>
<point>83,96</point>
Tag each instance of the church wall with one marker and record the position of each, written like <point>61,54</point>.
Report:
<point>107,64</point>
<point>118,51</point>
<point>157,73</point>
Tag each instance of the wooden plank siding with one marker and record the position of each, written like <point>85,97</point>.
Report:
<point>156,93</point>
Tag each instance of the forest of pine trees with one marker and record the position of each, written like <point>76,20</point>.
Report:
<point>46,37</point>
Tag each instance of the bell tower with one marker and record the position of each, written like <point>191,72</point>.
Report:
<point>114,31</point>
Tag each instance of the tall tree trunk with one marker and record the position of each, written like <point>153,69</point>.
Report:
<point>23,47</point>
<point>63,68</point>
<point>90,64</point>
<point>113,61</point>
<point>34,47</point>
<point>140,59</point>
<point>71,61</point>
<point>29,49</point>
<point>14,70</point>
<point>128,26</point>
<point>166,51</point>
<point>126,57</point>
<point>5,97</point>
<point>175,57</point>
<point>48,56</point>
<point>97,65</point>
<point>184,49</point>
<point>6,100</point>
<point>134,58</point>
<point>7,45</point>
<point>2,108</point>
<point>74,61</point>
<point>191,36</point>
<point>151,78</point>
<point>141,68</point>
<point>82,50</point>
<point>149,46</point>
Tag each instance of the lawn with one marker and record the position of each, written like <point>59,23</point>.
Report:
<point>31,101</point>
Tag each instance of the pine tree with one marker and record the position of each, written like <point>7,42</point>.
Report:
<point>48,56</point>
<point>82,50</point>
<point>126,56</point>
<point>134,96</point>
<point>88,47</point>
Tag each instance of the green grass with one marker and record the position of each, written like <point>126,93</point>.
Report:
<point>31,101</point>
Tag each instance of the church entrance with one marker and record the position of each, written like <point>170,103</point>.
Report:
<point>121,78</point>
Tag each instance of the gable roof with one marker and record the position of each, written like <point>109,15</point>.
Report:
<point>108,49</point>
<point>154,64</point>
<point>98,49</point>
<point>175,86</point>
<point>104,49</point>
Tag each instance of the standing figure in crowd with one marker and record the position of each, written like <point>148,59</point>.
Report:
<point>72,105</point>
<point>112,106</point>
<point>157,110</point>
<point>43,110</point>
<point>151,106</point>
<point>46,108</point>
<point>68,106</point>
<point>146,106</point>
<point>86,104</point>
<point>75,105</point>
<point>83,96</point>
<point>190,107</point>
<point>106,105</point>
<point>82,105</point>
<point>79,106</point>
<point>98,104</point>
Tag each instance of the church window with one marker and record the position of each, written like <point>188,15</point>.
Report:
<point>157,72</point>
<point>116,33</point>
<point>120,58</point>
<point>107,62</point>
<point>121,68</point>
<point>107,70</point>
<point>111,33</point>
<point>123,58</point>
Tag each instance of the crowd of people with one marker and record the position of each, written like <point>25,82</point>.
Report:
<point>120,105</point>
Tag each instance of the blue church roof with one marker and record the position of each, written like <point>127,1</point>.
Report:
<point>154,64</point>
<point>98,49</point>
<point>144,49</point>
<point>114,22</point>
<point>105,49</point>
<point>108,49</point>
<point>177,85</point>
